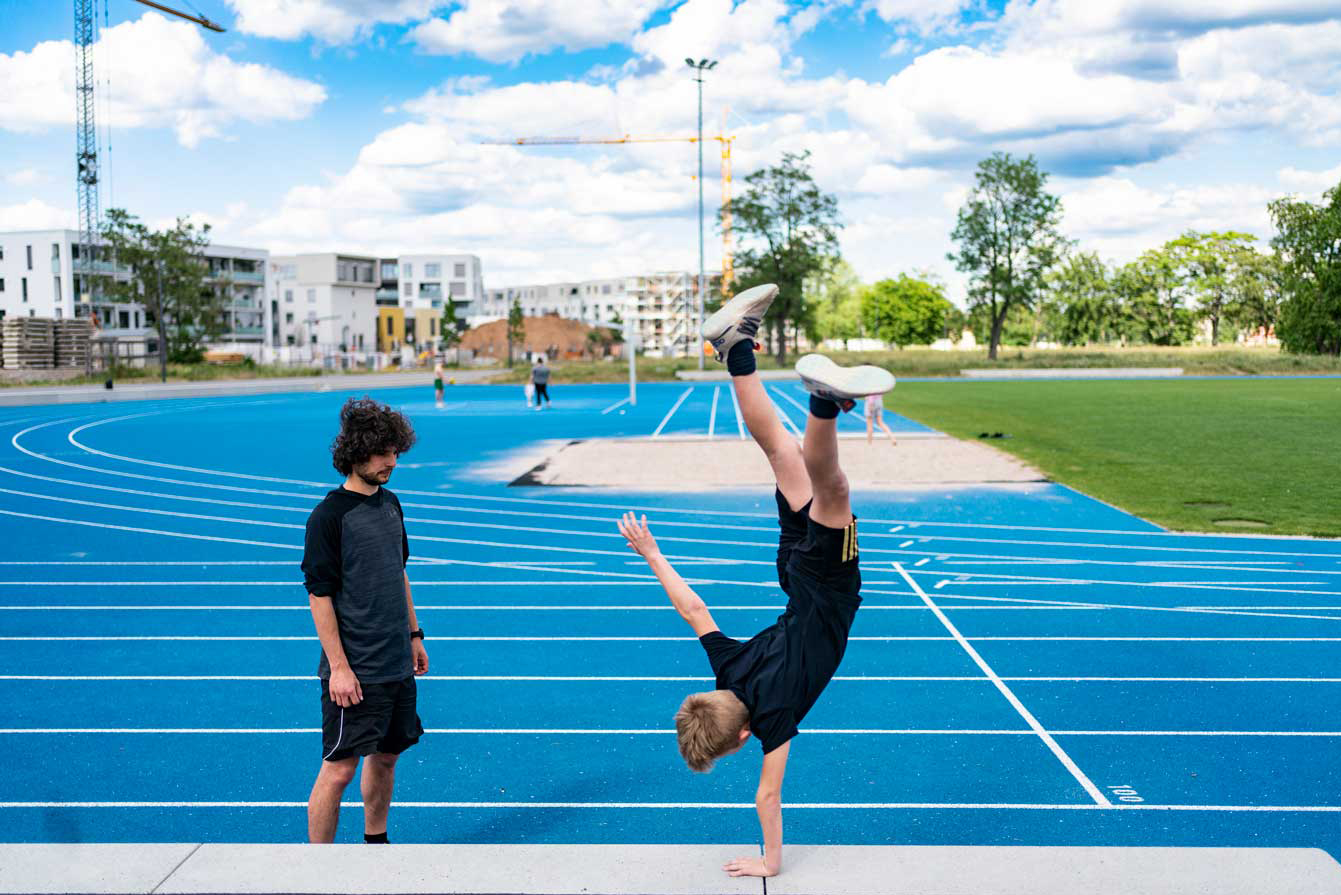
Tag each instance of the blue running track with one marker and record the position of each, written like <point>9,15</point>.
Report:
<point>1030,665</point>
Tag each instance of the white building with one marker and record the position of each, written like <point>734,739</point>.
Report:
<point>322,304</point>
<point>663,306</point>
<point>37,279</point>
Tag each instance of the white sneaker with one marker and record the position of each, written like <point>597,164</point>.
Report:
<point>739,319</point>
<point>842,385</point>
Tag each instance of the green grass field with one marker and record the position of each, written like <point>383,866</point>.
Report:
<point>1247,455</point>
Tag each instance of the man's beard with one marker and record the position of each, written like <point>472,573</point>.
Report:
<point>374,479</point>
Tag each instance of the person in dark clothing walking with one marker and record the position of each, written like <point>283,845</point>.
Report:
<point>540,379</point>
<point>372,647</point>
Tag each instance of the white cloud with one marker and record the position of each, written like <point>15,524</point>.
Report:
<point>507,30</point>
<point>163,74</point>
<point>35,215</point>
<point>331,21</point>
<point>25,177</point>
<point>1310,183</point>
<point>923,15</point>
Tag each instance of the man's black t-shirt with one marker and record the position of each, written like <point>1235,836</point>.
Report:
<point>780,672</point>
<point>355,553</point>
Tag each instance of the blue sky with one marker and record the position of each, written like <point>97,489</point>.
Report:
<point>356,125</point>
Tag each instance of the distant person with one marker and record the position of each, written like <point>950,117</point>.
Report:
<point>540,379</point>
<point>437,383</point>
<point>875,416</point>
<point>372,647</point>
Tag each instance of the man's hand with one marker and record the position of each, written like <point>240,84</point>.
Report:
<point>639,537</point>
<point>750,867</point>
<point>344,687</point>
<point>420,656</point>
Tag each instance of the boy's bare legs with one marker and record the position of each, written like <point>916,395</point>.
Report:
<point>781,449</point>
<point>831,508</point>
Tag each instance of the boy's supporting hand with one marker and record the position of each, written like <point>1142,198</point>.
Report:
<point>750,867</point>
<point>640,539</point>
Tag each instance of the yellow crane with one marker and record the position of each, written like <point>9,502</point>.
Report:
<point>728,268</point>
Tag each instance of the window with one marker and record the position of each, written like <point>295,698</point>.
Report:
<point>433,326</point>
<point>409,290</point>
<point>30,257</point>
<point>433,270</point>
<point>460,270</point>
<point>311,296</point>
<point>390,326</point>
<point>288,318</point>
<point>55,256</point>
<point>288,296</point>
<point>605,290</point>
<point>24,288</point>
<point>56,287</point>
<point>388,270</point>
<point>458,289</point>
<point>2,284</point>
<point>407,270</point>
<point>123,319</point>
<point>58,314</point>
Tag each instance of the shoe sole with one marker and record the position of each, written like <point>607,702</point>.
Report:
<point>844,382</point>
<point>734,311</point>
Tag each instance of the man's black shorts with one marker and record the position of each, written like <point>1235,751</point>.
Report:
<point>816,554</point>
<point>385,721</point>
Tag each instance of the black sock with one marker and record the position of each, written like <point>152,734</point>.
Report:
<point>375,839</point>
<point>740,359</point>
<point>823,407</point>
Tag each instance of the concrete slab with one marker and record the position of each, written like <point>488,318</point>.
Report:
<point>1022,870</point>
<point>37,867</point>
<point>478,869</point>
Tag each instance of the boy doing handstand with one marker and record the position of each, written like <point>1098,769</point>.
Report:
<point>767,685</point>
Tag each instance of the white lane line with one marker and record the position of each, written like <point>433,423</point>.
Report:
<point>670,413</point>
<point>712,414</point>
<point>923,561</point>
<point>868,678</point>
<point>782,414</point>
<point>1057,750</point>
<point>614,406</point>
<point>551,503</point>
<point>715,806</point>
<point>740,427</point>
<point>547,731</point>
<point>260,607</point>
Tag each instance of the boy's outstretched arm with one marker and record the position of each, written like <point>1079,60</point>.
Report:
<point>768,802</point>
<point>689,604</point>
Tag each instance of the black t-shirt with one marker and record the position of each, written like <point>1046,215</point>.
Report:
<point>780,672</point>
<point>355,554</point>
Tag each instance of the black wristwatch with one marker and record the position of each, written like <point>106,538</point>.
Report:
<point>419,633</point>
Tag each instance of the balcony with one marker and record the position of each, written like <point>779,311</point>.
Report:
<point>244,276</point>
<point>247,332</point>
<point>389,297</point>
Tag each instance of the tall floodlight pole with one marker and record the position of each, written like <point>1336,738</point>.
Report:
<point>699,68</point>
<point>86,153</point>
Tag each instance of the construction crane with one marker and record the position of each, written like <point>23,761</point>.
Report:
<point>86,137</point>
<point>728,265</point>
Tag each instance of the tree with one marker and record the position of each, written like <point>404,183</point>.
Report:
<point>788,231</point>
<point>516,326</point>
<point>1258,293</point>
<point>450,326</point>
<point>1008,237</point>
<point>906,311</point>
<point>1089,310</point>
<point>1150,290</point>
<point>1308,244</point>
<point>167,274</point>
<point>1211,265</point>
<point>834,300</point>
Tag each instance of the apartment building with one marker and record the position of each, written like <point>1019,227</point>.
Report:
<point>323,303</point>
<point>38,279</point>
<point>662,306</point>
<point>413,293</point>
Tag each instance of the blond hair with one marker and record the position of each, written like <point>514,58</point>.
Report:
<point>708,726</point>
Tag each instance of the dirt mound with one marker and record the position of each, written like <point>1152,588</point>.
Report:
<point>554,337</point>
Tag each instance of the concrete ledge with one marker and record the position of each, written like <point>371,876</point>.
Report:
<point>179,869</point>
<point>1077,373</point>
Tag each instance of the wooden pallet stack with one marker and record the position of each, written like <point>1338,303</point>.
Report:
<point>29,343</point>
<point>72,340</point>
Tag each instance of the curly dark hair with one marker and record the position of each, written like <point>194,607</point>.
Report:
<point>368,428</point>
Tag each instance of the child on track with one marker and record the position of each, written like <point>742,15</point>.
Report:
<point>768,684</point>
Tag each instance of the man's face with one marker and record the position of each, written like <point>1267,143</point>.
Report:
<point>377,471</point>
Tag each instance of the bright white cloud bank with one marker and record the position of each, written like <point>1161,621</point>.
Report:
<point>163,74</point>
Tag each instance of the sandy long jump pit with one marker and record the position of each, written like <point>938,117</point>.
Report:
<point>692,464</point>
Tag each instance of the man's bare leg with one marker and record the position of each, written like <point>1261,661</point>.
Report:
<point>781,449</point>
<point>323,806</point>
<point>379,777</point>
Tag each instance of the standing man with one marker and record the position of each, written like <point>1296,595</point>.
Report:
<point>540,379</point>
<point>371,643</point>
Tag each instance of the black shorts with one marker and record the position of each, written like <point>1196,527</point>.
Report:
<point>815,555</point>
<point>385,721</point>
